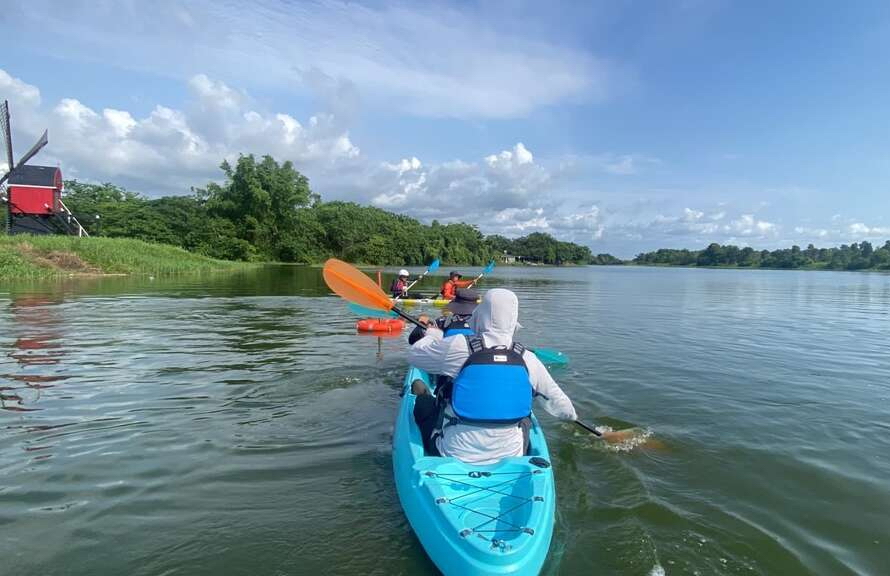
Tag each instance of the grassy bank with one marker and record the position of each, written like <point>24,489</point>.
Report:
<point>27,256</point>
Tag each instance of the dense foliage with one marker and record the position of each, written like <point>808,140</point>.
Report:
<point>856,256</point>
<point>267,211</point>
<point>545,249</point>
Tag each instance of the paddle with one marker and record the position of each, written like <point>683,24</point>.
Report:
<point>486,270</point>
<point>434,265</point>
<point>352,285</point>
<point>551,356</point>
<point>614,436</point>
<point>370,312</point>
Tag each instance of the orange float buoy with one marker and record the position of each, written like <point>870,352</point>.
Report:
<point>380,325</point>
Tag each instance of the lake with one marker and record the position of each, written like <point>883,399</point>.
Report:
<point>237,424</point>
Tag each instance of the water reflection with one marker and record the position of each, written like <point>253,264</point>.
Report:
<point>37,324</point>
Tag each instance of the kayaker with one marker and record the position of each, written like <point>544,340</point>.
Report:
<point>456,323</point>
<point>399,286</point>
<point>485,418</point>
<point>450,286</point>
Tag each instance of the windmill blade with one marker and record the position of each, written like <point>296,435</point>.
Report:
<point>7,133</point>
<point>30,154</point>
<point>34,150</point>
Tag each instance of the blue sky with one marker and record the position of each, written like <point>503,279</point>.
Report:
<point>625,126</point>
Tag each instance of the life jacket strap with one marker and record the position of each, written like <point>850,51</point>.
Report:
<point>475,344</point>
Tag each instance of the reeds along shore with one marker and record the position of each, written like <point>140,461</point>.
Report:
<point>27,256</point>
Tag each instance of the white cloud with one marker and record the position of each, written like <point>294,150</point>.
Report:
<point>860,230</point>
<point>623,165</point>
<point>170,150</point>
<point>746,225</point>
<point>700,226</point>
<point>509,159</point>
<point>18,92</point>
<point>423,58</point>
<point>609,163</point>
<point>509,179</point>
<point>582,225</point>
<point>690,215</point>
<point>405,165</point>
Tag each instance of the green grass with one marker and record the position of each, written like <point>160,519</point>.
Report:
<point>25,256</point>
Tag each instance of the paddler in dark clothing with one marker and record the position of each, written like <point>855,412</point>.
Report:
<point>458,322</point>
<point>399,286</point>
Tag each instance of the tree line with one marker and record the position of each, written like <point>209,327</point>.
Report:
<point>856,256</point>
<point>266,211</point>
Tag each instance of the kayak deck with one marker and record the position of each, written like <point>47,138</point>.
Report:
<point>470,518</point>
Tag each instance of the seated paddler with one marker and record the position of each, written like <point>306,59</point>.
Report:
<point>481,414</point>
<point>457,321</point>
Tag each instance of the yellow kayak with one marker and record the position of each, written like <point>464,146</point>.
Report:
<point>440,302</point>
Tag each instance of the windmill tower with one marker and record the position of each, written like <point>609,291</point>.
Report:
<point>33,194</point>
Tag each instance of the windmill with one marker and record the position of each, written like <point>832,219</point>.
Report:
<point>34,193</point>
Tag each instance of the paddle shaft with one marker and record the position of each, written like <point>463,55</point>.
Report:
<point>589,428</point>
<point>409,317</point>
<point>419,278</point>
<point>488,269</point>
<point>411,285</point>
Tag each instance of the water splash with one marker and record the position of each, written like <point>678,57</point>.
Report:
<point>639,437</point>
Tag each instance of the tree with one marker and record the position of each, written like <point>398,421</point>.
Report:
<point>261,199</point>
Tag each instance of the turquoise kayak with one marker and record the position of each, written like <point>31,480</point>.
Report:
<point>475,519</point>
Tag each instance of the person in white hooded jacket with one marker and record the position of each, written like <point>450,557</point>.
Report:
<point>494,321</point>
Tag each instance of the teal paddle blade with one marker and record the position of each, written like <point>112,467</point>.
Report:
<point>551,357</point>
<point>371,312</point>
<point>433,267</point>
<point>489,268</point>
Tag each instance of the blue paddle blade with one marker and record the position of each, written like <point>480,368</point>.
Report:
<point>433,267</point>
<point>371,312</point>
<point>489,268</point>
<point>551,357</point>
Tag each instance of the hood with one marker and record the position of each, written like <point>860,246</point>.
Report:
<point>496,317</point>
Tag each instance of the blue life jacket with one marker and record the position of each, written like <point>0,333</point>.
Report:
<point>458,328</point>
<point>493,386</point>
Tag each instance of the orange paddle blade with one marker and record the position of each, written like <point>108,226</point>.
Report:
<point>352,284</point>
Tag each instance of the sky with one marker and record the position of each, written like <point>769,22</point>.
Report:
<point>622,125</point>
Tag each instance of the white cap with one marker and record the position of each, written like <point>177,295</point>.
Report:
<point>403,272</point>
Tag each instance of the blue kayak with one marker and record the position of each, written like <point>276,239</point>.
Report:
<point>475,519</point>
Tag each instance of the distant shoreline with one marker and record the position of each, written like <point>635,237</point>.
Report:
<point>798,269</point>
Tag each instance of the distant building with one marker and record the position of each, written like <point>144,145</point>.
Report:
<point>509,258</point>
<point>35,203</point>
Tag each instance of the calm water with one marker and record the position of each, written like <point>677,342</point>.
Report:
<point>238,425</point>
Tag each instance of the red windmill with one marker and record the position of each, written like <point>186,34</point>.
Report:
<point>34,196</point>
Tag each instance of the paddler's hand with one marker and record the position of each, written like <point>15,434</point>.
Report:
<point>424,319</point>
